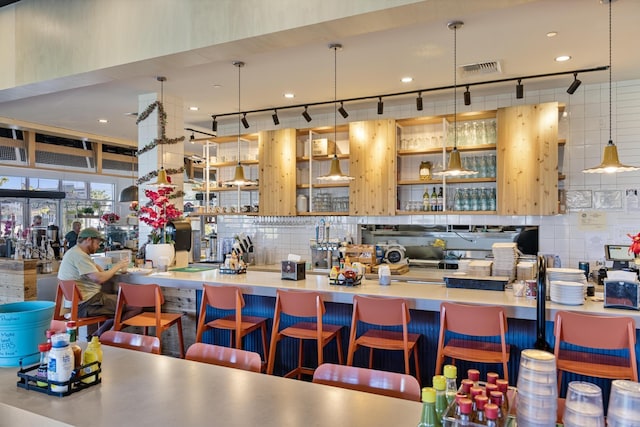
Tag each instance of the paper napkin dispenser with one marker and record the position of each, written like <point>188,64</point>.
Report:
<point>293,270</point>
<point>621,294</point>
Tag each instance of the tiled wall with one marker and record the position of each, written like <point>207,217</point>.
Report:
<point>578,235</point>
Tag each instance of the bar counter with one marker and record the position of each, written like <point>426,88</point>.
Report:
<point>152,390</point>
<point>421,296</point>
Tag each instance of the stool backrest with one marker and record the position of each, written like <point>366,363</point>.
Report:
<point>381,311</point>
<point>595,331</point>
<point>224,356</point>
<point>222,297</point>
<point>300,303</point>
<point>477,320</point>
<point>141,295</point>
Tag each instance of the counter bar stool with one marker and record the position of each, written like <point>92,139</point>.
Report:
<point>224,356</point>
<point>591,333</point>
<point>393,384</point>
<point>302,304</point>
<point>229,298</point>
<point>146,296</point>
<point>473,321</point>
<point>383,312</point>
<point>68,290</point>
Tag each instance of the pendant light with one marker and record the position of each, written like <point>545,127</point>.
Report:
<point>335,173</point>
<point>610,162</point>
<point>162,181</point>
<point>238,176</point>
<point>130,193</point>
<point>454,168</point>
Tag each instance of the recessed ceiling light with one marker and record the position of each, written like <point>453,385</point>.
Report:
<point>562,58</point>
<point>552,33</point>
<point>133,114</point>
<point>289,95</point>
<point>217,86</point>
<point>406,79</point>
<point>103,121</point>
<point>193,108</point>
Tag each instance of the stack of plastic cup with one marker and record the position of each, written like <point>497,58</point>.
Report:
<point>624,404</point>
<point>583,405</point>
<point>537,398</point>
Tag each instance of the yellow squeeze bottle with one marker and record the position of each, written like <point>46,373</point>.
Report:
<point>93,353</point>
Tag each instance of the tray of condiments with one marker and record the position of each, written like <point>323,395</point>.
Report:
<point>28,380</point>
<point>225,270</point>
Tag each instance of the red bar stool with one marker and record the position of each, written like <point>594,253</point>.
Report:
<point>224,356</point>
<point>302,304</point>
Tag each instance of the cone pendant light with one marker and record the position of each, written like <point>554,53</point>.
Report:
<point>454,167</point>
<point>610,162</point>
<point>335,173</point>
<point>238,176</point>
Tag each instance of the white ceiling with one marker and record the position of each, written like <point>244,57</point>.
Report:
<point>416,43</point>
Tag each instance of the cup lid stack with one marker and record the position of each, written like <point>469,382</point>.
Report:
<point>505,258</point>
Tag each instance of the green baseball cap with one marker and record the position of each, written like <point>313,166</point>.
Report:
<point>91,233</point>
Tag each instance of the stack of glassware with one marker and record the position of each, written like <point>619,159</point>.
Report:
<point>537,397</point>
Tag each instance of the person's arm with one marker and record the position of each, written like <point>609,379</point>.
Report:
<point>101,276</point>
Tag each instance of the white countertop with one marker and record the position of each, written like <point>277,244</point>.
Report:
<point>152,390</point>
<point>421,296</point>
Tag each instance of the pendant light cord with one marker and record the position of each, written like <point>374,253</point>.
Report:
<point>335,97</point>
<point>455,86</point>
<point>239,65</point>
<point>610,78</point>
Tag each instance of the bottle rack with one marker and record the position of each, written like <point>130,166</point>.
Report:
<point>28,380</point>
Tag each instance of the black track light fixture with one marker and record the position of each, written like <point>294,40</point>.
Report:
<point>274,116</point>
<point>380,105</point>
<point>342,111</point>
<point>214,124</point>
<point>575,84</point>
<point>519,90</point>
<point>192,138</point>
<point>306,115</point>
<point>467,96</point>
<point>245,122</point>
<point>419,105</point>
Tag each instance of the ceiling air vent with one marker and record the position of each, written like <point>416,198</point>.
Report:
<point>487,67</point>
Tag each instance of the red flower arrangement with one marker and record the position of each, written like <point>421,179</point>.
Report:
<point>158,213</point>
<point>110,218</point>
<point>635,244</point>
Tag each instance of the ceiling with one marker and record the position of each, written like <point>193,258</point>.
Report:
<point>378,51</point>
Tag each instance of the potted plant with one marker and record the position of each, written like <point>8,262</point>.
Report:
<point>157,213</point>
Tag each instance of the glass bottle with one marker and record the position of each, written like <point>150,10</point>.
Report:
<point>41,374</point>
<point>434,200</point>
<point>503,386</point>
<point>440,384</point>
<point>491,414</point>
<point>72,330</point>
<point>497,398</point>
<point>451,374</point>
<point>465,386</point>
<point>465,407</point>
<point>473,375</point>
<point>429,417</point>
<point>440,200</point>
<point>480,402</point>
<point>492,377</point>
<point>426,204</point>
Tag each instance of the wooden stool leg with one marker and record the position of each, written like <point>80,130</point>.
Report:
<point>180,337</point>
<point>339,343</point>
<point>263,329</point>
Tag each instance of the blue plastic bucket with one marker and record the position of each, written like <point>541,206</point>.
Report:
<point>22,327</point>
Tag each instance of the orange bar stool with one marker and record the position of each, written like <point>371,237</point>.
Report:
<point>224,356</point>
<point>144,343</point>
<point>146,296</point>
<point>302,304</point>
<point>383,312</point>
<point>472,321</point>
<point>393,384</point>
<point>587,335</point>
<point>229,298</point>
<point>68,291</point>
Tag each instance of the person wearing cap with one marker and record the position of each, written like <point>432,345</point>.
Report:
<point>77,265</point>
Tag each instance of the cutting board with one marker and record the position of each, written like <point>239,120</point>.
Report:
<point>394,268</point>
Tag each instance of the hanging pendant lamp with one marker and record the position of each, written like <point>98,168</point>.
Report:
<point>238,176</point>
<point>162,180</point>
<point>130,193</point>
<point>610,161</point>
<point>335,173</point>
<point>454,167</point>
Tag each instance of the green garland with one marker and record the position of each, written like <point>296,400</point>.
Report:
<point>153,174</point>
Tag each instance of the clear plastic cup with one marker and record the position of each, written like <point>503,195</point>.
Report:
<point>624,403</point>
<point>537,360</point>
<point>583,405</point>
<point>538,410</point>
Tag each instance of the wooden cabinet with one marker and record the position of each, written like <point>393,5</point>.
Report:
<point>372,161</point>
<point>527,154</point>
<point>277,171</point>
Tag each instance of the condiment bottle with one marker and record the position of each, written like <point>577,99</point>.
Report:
<point>93,353</point>
<point>440,384</point>
<point>72,330</point>
<point>60,362</point>
<point>41,374</point>
<point>481,402</point>
<point>497,398</point>
<point>473,375</point>
<point>451,374</point>
<point>429,416</point>
<point>465,386</point>
<point>465,406</point>
<point>491,414</point>
<point>503,386</point>
<point>492,377</point>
